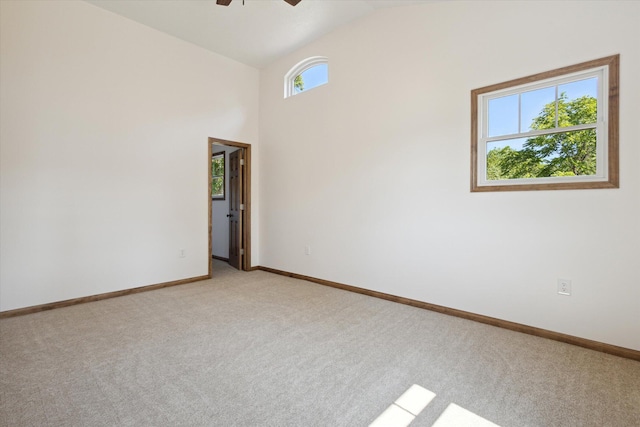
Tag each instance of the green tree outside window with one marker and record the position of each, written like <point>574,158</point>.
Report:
<point>298,83</point>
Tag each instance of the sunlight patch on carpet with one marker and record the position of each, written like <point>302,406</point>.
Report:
<point>406,408</point>
<point>456,416</point>
<point>402,412</point>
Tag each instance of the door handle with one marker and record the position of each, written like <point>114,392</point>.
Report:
<point>228,215</point>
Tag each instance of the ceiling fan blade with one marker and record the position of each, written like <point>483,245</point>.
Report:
<point>223,2</point>
<point>292,2</point>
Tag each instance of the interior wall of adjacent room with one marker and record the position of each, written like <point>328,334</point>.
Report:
<point>372,170</point>
<point>104,127</point>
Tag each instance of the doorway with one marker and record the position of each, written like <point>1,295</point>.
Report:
<point>234,214</point>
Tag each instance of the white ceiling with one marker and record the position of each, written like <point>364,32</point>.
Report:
<point>256,33</point>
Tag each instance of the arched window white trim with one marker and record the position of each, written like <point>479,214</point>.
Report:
<point>299,68</point>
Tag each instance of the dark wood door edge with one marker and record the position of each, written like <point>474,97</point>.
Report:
<point>92,298</point>
<point>530,330</point>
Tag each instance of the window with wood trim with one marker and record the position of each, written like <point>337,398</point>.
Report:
<point>550,131</point>
<point>217,176</point>
<point>307,74</point>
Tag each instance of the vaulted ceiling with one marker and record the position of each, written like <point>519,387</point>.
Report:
<point>254,33</point>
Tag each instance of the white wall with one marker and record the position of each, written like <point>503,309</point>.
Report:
<point>372,170</point>
<point>104,127</point>
<point>219,211</point>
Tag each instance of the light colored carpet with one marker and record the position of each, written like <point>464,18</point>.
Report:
<point>257,349</point>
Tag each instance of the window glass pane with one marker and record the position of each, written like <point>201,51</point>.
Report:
<point>578,102</point>
<point>217,187</point>
<point>217,166</point>
<point>314,76</point>
<point>553,155</point>
<point>217,176</point>
<point>499,154</point>
<point>503,115</point>
<point>538,109</point>
<point>580,88</point>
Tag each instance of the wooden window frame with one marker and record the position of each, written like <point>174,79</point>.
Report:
<point>224,173</point>
<point>610,178</point>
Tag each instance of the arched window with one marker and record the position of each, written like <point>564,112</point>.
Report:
<point>307,74</point>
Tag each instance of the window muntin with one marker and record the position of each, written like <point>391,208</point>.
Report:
<point>307,74</point>
<point>217,176</point>
<point>538,109</point>
<point>549,131</point>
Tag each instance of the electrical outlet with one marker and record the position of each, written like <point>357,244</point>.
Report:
<point>182,253</point>
<point>564,287</point>
<point>307,250</point>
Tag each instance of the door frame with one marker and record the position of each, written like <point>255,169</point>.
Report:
<point>246,197</point>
